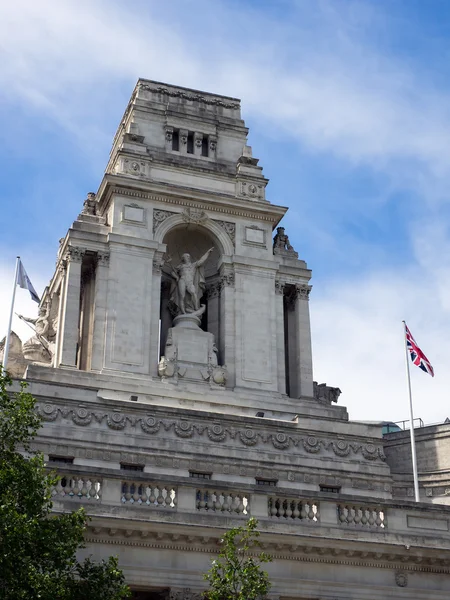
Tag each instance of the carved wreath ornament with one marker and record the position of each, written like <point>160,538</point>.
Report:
<point>216,432</point>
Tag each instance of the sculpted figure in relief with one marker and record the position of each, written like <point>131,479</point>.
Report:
<point>189,284</point>
<point>40,346</point>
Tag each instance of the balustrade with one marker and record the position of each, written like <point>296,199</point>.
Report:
<point>149,494</point>
<point>296,509</point>
<point>70,486</point>
<point>371,517</point>
<point>223,502</point>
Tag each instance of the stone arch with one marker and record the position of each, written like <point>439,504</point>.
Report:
<point>226,245</point>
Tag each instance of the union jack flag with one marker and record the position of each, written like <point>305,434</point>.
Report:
<point>417,356</point>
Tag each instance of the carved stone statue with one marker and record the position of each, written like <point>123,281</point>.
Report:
<point>325,393</point>
<point>40,347</point>
<point>189,284</point>
<point>281,244</point>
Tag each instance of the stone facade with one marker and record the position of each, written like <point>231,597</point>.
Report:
<point>179,398</point>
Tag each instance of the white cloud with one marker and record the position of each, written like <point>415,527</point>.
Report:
<point>320,81</point>
<point>358,342</point>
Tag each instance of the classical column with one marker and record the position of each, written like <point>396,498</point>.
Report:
<point>227,322</point>
<point>281,354</point>
<point>301,376</point>
<point>99,331</point>
<point>158,261</point>
<point>71,309</point>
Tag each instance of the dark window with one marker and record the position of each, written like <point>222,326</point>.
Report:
<point>190,143</point>
<point>134,398</point>
<point>176,140</point>
<point>271,482</point>
<point>330,489</point>
<point>62,460</point>
<point>126,467</point>
<point>197,475</point>
<point>205,146</point>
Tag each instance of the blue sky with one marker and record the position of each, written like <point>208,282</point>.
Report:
<point>348,104</point>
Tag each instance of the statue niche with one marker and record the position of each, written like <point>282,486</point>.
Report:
<point>189,344</point>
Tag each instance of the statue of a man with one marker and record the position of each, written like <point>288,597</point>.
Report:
<point>189,283</point>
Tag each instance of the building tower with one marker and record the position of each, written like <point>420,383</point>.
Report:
<point>176,383</point>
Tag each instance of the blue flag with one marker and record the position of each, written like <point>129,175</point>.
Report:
<point>24,282</point>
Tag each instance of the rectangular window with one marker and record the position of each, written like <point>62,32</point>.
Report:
<point>176,140</point>
<point>190,143</point>
<point>271,482</point>
<point>205,145</point>
<point>330,489</point>
<point>127,467</point>
<point>198,475</point>
<point>62,460</point>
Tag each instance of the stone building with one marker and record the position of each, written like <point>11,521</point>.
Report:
<point>172,366</point>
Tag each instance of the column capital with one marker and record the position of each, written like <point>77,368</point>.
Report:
<point>279,287</point>
<point>103,258</point>
<point>158,261</point>
<point>74,254</point>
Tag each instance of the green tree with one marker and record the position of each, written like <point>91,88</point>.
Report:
<point>237,573</point>
<point>38,549</point>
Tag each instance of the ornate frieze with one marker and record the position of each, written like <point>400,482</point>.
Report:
<point>174,93</point>
<point>185,428</point>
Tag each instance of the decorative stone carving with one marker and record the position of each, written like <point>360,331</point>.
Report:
<point>190,97</point>
<point>281,244</point>
<point>279,287</point>
<point>325,393</point>
<point>158,261</point>
<point>159,216</point>
<point>169,134</point>
<point>227,279</point>
<point>192,215</point>
<point>74,254</point>
<point>401,579</point>
<point>185,594</point>
<point>229,228</point>
<point>215,432</point>
<point>103,259</point>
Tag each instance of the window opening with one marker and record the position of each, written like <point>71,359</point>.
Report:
<point>205,146</point>
<point>126,467</point>
<point>330,488</point>
<point>198,475</point>
<point>176,140</point>
<point>65,460</point>
<point>190,143</point>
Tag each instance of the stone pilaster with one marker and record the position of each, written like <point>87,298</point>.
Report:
<point>101,290</point>
<point>227,322</point>
<point>69,324</point>
<point>301,378</point>
<point>281,354</point>
<point>158,261</point>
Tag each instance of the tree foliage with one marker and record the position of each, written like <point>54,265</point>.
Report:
<point>37,548</point>
<point>237,573</point>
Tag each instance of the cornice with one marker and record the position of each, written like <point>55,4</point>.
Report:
<point>199,199</point>
<point>279,551</point>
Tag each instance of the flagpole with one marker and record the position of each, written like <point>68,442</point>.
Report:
<point>411,415</point>
<point>8,333</point>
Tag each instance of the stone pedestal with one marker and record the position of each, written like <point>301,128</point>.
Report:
<point>190,354</point>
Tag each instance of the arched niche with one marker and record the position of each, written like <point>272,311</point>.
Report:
<point>194,239</point>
